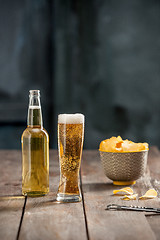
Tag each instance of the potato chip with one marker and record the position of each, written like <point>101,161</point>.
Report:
<point>151,193</point>
<point>130,197</point>
<point>116,144</point>
<point>124,191</point>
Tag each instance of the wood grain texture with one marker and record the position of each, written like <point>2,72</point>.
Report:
<point>98,193</point>
<point>11,201</point>
<point>44,218</point>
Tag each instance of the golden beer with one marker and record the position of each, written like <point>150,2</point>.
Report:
<point>70,143</point>
<point>35,162</point>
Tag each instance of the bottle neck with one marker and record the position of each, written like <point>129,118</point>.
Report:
<point>34,112</point>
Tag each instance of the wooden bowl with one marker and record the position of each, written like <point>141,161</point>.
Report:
<point>124,168</point>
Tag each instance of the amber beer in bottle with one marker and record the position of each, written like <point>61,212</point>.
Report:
<point>70,144</point>
<point>35,151</point>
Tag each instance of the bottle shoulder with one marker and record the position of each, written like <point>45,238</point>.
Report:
<point>35,132</point>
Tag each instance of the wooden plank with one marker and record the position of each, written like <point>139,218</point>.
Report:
<point>98,193</point>
<point>11,201</point>
<point>44,218</point>
<point>57,219</point>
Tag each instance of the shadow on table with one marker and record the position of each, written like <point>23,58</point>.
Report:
<point>16,203</point>
<point>95,187</point>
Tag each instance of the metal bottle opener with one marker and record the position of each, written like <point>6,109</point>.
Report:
<point>132,208</point>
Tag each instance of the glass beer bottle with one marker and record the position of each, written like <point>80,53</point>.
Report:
<point>35,151</point>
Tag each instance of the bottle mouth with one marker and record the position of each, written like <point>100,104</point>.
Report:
<point>34,92</point>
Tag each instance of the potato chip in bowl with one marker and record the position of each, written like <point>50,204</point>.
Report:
<point>116,144</point>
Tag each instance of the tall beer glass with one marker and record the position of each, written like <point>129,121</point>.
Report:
<point>70,144</point>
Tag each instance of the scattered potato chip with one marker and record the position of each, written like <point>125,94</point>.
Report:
<point>123,191</point>
<point>130,197</point>
<point>116,144</point>
<point>151,193</point>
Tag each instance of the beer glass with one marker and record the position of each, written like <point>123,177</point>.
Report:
<point>70,144</point>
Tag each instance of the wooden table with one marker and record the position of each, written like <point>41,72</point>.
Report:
<point>44,218</point>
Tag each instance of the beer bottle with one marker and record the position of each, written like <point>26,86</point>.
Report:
<point>35,151</point>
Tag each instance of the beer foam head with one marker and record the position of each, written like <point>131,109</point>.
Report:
<point>71,118</point>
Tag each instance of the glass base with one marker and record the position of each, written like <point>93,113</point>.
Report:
<point>34,193</point>
<point>66,198</point>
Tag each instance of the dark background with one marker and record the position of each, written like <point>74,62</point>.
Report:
<point>101,58</point>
